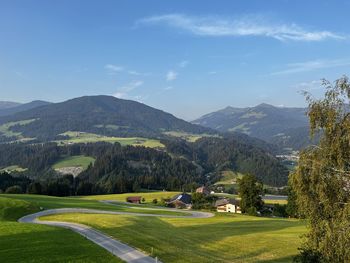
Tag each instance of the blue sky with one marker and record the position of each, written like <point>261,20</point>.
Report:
<point>185,57</point>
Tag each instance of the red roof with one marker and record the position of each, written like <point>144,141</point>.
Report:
<point>134,198</point>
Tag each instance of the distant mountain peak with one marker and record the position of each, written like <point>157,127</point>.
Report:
<point>263,121</point>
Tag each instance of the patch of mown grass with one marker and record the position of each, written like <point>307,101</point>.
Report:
<point>223,238</point>
<point>38,243</point>
<point>51,202</point>
<point>84,137</point>
<point>148,196</point>
<point>74,161</point>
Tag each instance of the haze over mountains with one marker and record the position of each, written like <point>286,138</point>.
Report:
<point>286,127</point>
<point>8,108</point>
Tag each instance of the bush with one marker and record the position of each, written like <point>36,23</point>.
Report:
<point>279,210</point>
<point>251,211</point>
<point>16,189</point>
<point>154,201</point>
<point>308,256</point>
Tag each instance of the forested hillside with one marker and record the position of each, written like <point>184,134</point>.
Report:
<point>103,115</point>
<point>181,166</point>
<point>285,127</point>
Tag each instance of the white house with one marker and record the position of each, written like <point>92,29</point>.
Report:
<point>228,206</point>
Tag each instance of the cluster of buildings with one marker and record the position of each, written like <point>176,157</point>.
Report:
<point>184,201</point>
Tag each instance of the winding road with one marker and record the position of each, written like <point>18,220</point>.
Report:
<point>117,248</point>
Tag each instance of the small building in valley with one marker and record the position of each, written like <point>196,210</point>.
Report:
<point>228,206</point>
<point>203,190</point>
<point>134,199</point>
<point>181,201</point>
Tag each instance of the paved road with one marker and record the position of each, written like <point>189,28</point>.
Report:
<point>117,248</point>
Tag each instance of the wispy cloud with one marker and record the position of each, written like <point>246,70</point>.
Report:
<point>123,91</point>
<point>183,63</point>
<point>113,69</point>
<point>215,26</point>
<point>312,65</point>
<point>168,88</point>
<point>136,73</point>
<point>171,75</point>
<point>308,85</point>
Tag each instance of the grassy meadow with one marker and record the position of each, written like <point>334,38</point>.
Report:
<point>84,137</point>
<point>38,243</point>
<point>148,196</point>
<point>223,238</point>
<point>74,161</point>
<point>13,168</point>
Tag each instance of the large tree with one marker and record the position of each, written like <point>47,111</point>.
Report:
<point>250,191</point>
<point>321,181</point>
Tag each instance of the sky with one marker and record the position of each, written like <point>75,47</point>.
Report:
<point>185,57</point>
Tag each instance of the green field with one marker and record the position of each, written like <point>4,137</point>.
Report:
<point>190,137</point>
<point>74,161</point>
<point>5,130</point>
<point>223,238</point>
<point>84,137</point>
<point>229,177</point>
<point>51,202</point>
<point>39,243</point>
<point>149,196</point>
<point>13,168</point>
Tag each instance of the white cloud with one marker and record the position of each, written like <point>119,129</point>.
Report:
<point>168,88</point>
<point>215,26</point>
<point>136,73</point>
<point>309,85</point>
<point>123,91</point>
<point>113,69</point>
<point>183,64</point>
<point>171,75</point>
<point>312,65</point>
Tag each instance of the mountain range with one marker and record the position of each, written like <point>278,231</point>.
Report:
<point>285,127</point>
<point>9,108</point>
<point>211,151</point>
<point>105,115</point>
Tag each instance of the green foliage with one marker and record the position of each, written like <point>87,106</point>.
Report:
<point>292,206</point>
<point>201,201</point>
<point>321,181</point>
<point>15,189</point>
<point>236,153</point>
<point>250,192</point>
<point>279,210</point>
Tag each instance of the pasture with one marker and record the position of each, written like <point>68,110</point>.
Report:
<point>74,161</point>
<point>39,243</point>
<point>84,137</point>
<point>223,238</point>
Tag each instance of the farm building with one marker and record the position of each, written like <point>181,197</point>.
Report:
<point>181,201</point>
<point>228,206</point>
<point>203,190</point>
<point>134,199</point>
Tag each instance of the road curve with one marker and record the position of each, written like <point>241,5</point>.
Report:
<point>117,248</point>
